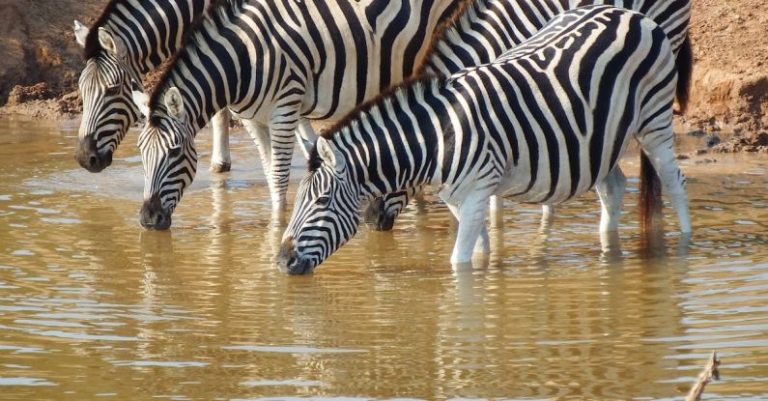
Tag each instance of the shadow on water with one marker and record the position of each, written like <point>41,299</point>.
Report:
<point>92,306</point>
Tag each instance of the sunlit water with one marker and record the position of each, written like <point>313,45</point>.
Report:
<point>93,307</point>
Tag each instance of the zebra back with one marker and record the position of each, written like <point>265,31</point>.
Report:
<point>484,29</point>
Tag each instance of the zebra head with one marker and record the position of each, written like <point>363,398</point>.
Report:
<point>105,86</point>
<point>168,153</point>
<point>325,214</point>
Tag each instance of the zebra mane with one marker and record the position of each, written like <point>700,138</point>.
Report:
<point>442,31</point>
<point>424,80</point>
<point>187,39</point>
<point>92,46</point>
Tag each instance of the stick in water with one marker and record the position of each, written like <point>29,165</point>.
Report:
<point>709,373</point>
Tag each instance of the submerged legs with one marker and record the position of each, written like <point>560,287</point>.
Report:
<point>611,193</point>
<point>472,235</point>
<point>663,159</point>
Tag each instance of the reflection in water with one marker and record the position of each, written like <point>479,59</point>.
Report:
<point>92,306</point>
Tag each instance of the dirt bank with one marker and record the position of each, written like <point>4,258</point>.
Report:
<point>39,65</point>
<point>730,80</point>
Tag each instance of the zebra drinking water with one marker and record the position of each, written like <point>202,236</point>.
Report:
<point>129,39</point>
<point>542,124</point>
<point>274,63</point>
<point>481,30</point>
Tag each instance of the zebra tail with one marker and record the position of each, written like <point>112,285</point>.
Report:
<point>650,196</point>
<point>684,64</point>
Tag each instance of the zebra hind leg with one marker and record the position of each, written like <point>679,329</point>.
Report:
<point>496,211</point>
<point>221,160</point>
<point>611,193</point>
<point>663,159</point>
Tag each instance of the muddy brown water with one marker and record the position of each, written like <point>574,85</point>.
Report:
<point>92,307</point>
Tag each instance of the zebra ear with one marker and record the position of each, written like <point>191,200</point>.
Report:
<point>81,32</point>
<point>174,103</point>
<point>142,102</point>
<point>112,44</point>
<point>330,154</point>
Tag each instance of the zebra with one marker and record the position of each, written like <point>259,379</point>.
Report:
<point>542,124</point>
<point>132,38</point>
<point>481,30</point>
<point>274,63</point>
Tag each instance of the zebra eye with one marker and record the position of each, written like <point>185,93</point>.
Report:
<point>113,90</point>
<point>174,151</point>
<point>323,200</point>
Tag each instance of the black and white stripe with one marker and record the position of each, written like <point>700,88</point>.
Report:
<point>541,124</point>
<point>481,30</point>
<point>128,40</point>
<point>485,29</point>
<point>278,63</point>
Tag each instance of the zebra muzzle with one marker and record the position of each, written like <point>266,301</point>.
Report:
<point>88,156</point>
<point>377,217</point>
<point>288,260</point>
<point>153,216</point>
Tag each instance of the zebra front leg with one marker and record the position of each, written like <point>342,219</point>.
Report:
<point>611,193</point>
<point>283,140</point>
<point>472,234</point>
<point>221,161</point>
<point>663,159</point>
<point>306,136</point>
<point>260,135</point>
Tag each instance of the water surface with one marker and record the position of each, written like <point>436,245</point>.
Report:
<point>94,307</point>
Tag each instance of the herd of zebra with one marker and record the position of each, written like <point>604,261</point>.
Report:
<point>534,100</point>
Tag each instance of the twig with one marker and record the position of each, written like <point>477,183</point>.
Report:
<point>709,373</point>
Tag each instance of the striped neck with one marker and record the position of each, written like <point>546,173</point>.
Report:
<point>486,29</point>
<point>152,31</point>
<point>203,68</point>
<point>394,142</point>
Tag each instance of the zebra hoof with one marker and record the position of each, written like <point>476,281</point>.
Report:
<point>221,167</point>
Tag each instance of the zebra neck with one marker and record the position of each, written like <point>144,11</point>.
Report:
<point>393,144</point>
<point>152,31</point>
<point>220,66</point>
<point>488,28</point>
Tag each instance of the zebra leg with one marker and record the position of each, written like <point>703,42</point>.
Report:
<point>221,161</point>
<point>283,140</point>
<point>663,159</point>
<point>260,135</point>
<point>472,234</point>
<point>496,207</point>
<point>547,215</point>
<point>306,136</point>
<point>611,193</point>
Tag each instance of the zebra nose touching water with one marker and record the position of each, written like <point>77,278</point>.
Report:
<point>542,124</point>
